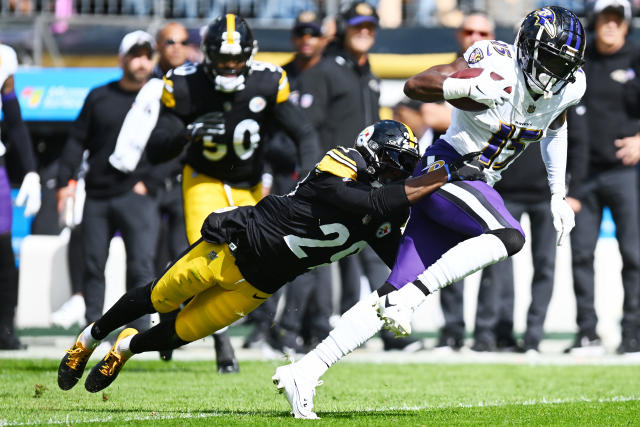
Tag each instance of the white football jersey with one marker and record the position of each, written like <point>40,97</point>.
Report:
<point>503,132</point>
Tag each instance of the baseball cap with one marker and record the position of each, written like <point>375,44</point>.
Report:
<point>307,22</point>
<point>360,12</point>
<point>623,7</point>
<point>136,38</point>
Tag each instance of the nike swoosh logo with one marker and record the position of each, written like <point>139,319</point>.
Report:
<point>257,297</point>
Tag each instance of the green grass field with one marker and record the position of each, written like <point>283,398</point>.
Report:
<point>192,393</point>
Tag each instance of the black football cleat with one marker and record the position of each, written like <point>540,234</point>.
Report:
<point>72,365</point>
<point>225,356</point>
<point>107,370</point>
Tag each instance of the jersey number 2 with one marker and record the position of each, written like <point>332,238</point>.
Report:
<point>296,243</point>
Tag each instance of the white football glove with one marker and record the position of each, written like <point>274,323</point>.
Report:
<point>29,194</point>
<point>563,217</point>
<point>482,89</point>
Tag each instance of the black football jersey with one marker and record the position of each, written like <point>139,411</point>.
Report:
<point>334,212</point>
<point>236,155</point>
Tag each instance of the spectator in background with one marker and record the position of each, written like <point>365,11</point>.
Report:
<point>475,26</point>
<point>173,47</point>
<point>308,300</point>
<point>524,189</point>
<point>607,113</point>
<point>343,97</point>
<point>115,201</point>
<point>28,196</point>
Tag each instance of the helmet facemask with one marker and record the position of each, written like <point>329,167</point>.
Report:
<point>228,52</point>
<point>550,45</point>
<point>390,151</point>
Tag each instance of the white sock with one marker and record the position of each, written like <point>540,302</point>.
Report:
<point>87,340</point>
<point>123,346</point>
<point>354,327</point>
<point>463,259</point>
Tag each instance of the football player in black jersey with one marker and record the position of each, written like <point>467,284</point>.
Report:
<point>352,198</point>
<point>221,107</point>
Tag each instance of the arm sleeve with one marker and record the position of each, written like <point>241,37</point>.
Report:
<point>167,139</point>
<point>71,157</point>
<point>301,131</point>
<point>553,148</point>
<point>17,132</point>
<point>356,197</point>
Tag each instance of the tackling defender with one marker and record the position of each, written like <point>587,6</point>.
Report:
<point>352,198</point>
<point>464,226</point>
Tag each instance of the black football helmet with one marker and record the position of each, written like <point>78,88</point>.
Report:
<point>389,149</point>
<point>228,37</point>
<point>550,47</point>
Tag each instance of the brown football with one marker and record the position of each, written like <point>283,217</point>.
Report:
<point>469,104</point>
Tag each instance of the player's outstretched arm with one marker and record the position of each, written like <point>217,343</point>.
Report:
<point>427,85</point>
<point>466,168</point>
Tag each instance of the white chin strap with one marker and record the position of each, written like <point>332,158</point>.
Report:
<point>229,84</point>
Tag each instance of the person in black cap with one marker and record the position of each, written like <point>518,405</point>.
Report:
<point>305,319</point>
<point>341,95</point>
<point>606,121</point>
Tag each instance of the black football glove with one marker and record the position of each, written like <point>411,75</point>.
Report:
<point>207,124</point>
<point>466,168</point>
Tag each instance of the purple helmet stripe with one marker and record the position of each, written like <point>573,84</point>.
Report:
<point>579,41</point>
<point>570,33</point>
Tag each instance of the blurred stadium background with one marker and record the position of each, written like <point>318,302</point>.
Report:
<point>66,47</point>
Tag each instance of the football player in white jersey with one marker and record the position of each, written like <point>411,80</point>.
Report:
<point>464,226</point>
<point>16,133</point>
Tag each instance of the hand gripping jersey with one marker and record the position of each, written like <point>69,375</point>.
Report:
<point>8,67</point>
<point>502,133</point>
<point>235,156</point>
<point>334,212</point>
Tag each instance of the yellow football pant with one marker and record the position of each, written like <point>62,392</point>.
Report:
<point>208,273</point>
<point>203,195</point>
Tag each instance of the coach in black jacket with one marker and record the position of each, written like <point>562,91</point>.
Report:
<point>116,201</point>
<point>612,63</point>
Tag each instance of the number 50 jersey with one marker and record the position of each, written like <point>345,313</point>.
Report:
<point>235,154</point>
<point>333,213</point>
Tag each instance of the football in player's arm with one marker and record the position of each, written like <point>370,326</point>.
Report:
<point>353,197</point>
<point>474,229</point>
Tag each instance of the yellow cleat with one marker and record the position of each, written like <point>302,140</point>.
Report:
<point>73,363</point>
<point>106,371</point>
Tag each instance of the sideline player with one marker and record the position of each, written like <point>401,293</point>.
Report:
<point>14,132</point>
<point>464,226</point>
<point>353,198</point>
<point>222,107</point>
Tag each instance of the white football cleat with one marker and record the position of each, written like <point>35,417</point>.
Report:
<point>298,389</point>
<point>71,313</point>
<point>396,317</point>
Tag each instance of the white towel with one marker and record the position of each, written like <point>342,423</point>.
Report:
<point>137,127</point>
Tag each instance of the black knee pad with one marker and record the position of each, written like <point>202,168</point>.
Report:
<point>511,238</point>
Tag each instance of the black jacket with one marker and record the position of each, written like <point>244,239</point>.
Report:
<point>606,111</point>
<point>96,129</point>
<point>342,98</point>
